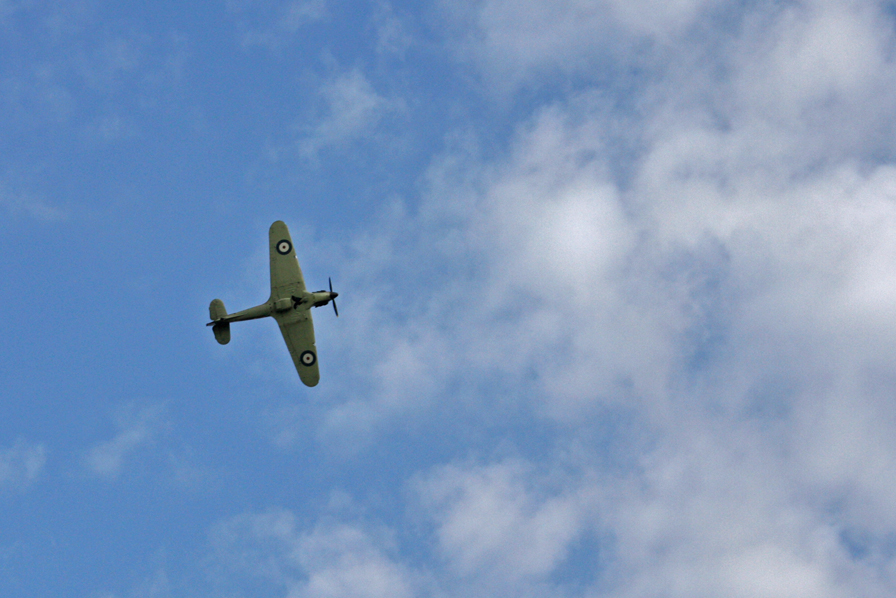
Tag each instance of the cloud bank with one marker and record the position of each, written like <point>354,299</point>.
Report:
<point>713,261</point>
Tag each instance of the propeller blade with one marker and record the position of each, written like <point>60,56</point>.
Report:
<point>330,280</point>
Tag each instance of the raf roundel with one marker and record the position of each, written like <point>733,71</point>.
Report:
<point>284,247</point>
<point>307,358</point>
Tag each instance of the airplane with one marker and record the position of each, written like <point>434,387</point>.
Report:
<point>290,305</point>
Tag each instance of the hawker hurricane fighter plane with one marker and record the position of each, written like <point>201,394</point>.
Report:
<point>290,304</point>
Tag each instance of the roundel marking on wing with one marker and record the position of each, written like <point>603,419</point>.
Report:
<point>284,247</point>
<point>307,358</point>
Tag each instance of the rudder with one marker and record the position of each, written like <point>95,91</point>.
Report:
<point>216,310</point>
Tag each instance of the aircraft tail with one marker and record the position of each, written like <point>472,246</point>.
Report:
<point>216,311</point>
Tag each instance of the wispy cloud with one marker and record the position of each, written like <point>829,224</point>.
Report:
<point>516,44</point>
<point>33,207</point>
<point>137,428</point>
<point>156,586</point>
<point>87,75</point>
<point>272,24</point>
<point>394,36</point>
<point>350,108</point>
<point>503,525</point>
<point>16,200</point>
<point>21,464</point>
<point>329,560</point>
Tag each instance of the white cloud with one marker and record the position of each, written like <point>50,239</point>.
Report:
<point>98,76</point>
<point>137,428</point>
<point>814,51</point>
<point>344,561</point>
<point>393,34</point>
<point>37,92</point>
<point>156,586</point>
<point>21,464</point>
<point>17,202</point>
<point>523,43</point>
<point>331,560</point>
<point>350,109</point>
<point>272,23</point>
<point>513,41</point>
<point>498,524</point>
<point>843,447</point>
<point>657,18</point>
<point>111,127</point>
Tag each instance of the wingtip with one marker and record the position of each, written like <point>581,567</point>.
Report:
<point>309,381</point>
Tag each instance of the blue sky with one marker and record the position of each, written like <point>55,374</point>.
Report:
<point>616,296</point>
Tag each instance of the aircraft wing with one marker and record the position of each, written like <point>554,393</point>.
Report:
<point>286,276</point>
<point>298,332</point>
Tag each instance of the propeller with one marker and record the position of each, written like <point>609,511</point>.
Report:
<point>334,296</point>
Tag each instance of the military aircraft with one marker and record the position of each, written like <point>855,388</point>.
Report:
<point>290,304</point>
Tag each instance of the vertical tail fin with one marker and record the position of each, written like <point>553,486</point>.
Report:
<point>216,311</point>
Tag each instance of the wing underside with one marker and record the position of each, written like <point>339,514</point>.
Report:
<point>298,332</point>
<point>296,325</point>
<point>286,275</point>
